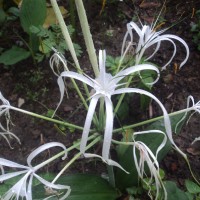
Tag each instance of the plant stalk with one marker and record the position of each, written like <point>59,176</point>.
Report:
<point>87,36</point>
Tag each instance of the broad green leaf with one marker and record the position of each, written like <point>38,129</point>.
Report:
<point>84,187</point>
<point>32,12</point>
<point>192,187</point>
<point>173,192</point>
<point>14,55</point>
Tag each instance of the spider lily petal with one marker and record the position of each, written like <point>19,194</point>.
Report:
<point>145,155</point>
<point>4,109</point>
<point>23,187</point>
<point>147,37</point>
<point>163,143</point>
<point>167,122</point>
<point>88,122</point>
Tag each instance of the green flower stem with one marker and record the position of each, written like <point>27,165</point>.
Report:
<point>97,139</point>
<point>151,120</point>
<point>70,45</point>
<point>123,143</point>
<point>87,35</point>
<point>63,152</point>
<point>44,117</point>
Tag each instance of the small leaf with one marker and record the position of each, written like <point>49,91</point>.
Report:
<point>14,55</point>
<point>173,192</point>
<point>192,187</point>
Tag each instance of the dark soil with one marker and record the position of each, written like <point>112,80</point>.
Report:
<point>42,93</point>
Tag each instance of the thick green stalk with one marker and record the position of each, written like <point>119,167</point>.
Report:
<point>87,35</point>
<point>73,53</point>
<point>151,120</point>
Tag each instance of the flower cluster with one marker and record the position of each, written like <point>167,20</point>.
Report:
<point>23,187</point>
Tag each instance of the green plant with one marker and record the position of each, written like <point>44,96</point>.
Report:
<point>43,33</point>
<point>138,152</point>
<point>193,190</point>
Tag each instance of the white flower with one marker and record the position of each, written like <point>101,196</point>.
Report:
<point>146,156</point>
<point>148,37</point>
<point>4,110</point>
<point>106,85</point>
<point>23,188</point>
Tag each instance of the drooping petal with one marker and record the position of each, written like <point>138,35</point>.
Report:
<point>108,161</point>
<point>183,43</point>
<point>41,149</point>
<point>163,143</point>
<point>8,163</point>
<point>122,74</point>
<point>88,122</point>
<point>165,114</point>
<point>55,60</point>
<point>7,176</point>
<point>108,129</point>
<point>54,186</point>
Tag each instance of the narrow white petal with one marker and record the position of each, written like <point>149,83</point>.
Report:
<point>8,163</point>
<point>184,44</point>
<point>119,76</point>
<point>7,176</point>
<point>108,129</point>
<point>163,143</point>
<point>77,76</point>
<point>88,122</point>
<point>107,161</point>
<point>163,38</point>
<point>43,148</point>
<point>155,51</point>
<point>165,114</point>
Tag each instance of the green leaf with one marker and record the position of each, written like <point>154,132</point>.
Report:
<point>84,187</point>
<point>14,55</point>
<point>173,192</point>
<point>192,187</point>
<point>32,12</point>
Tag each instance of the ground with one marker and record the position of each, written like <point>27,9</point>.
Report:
<point>38,88</point>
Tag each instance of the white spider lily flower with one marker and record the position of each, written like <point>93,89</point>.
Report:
<point>148,37</point>
<point>5,132</point>
<point>23,188</point>
<point>106,85</point>
<point>147,156</point>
